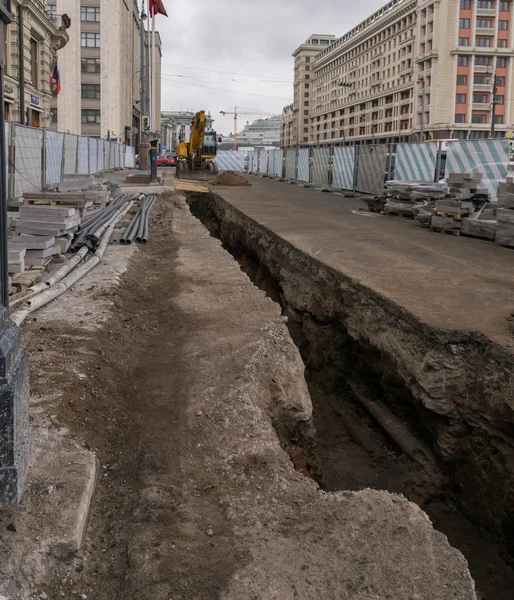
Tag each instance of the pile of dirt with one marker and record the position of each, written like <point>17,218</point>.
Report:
<point>231,179</point>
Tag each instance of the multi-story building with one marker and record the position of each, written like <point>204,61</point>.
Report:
<point>100,70</point>
<point>28,62</point>
<point>304,57</point>
<point>414,65</point>
<point>176,126</point>
<point>286,126</point>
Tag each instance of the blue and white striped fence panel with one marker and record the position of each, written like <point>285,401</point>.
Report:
<point>271,162</point>
<point>488,157</point>
<point>83,156</point>
<point>122,155</point>
<point>53,157</point>
<point>291,163</point>
<point>27,159</point>
<point>70,154</point>
<point>100,155</point>
<point>303,164</point>
<point>371,169</point>
<point>263,162</point>
<point>93,162</point>
<point>255,163</point>
<point>130,158</point>
<point>107,150</point>
<point>230,161</point>
<point>415,162</point>
<point>279,163</point>
<point>320,162</point>
<point>112,155</point>
<point>343,167</point>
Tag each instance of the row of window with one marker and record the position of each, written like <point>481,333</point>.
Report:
<point>90,13</point>
<point>487,23</point>
<point>483,42</point>
<point>90,65</point>
<point>478,99</point>
<point>90,40</point>
<point>483,61</point>
<point>91,90</point>
<point>503,6</point>
<point>480,80</point>
<point>461,118</point>
<point>91,116</point>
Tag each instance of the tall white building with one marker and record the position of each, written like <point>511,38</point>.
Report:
<point>101,69</point>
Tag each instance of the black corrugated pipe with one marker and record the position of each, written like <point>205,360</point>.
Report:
<point>143,236</point>
<point>130,232</point>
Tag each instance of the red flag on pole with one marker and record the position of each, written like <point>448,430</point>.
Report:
<point>157,7</point>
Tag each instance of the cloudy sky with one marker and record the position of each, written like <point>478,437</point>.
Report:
<point>221,53</point>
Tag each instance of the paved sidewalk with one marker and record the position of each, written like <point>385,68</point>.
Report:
<point>447,282</point>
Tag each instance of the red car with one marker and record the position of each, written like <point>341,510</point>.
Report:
<point>165,161</point>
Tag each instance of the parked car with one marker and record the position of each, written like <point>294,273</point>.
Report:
<point>165,161</point>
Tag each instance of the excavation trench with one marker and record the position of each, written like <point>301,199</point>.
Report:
<point>381,417</point>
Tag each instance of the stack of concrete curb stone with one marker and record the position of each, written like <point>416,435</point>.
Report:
<point>36,249</point>
<point>505,214</point>
<point>463,186</point>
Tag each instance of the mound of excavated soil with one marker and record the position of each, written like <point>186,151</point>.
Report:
<point>230,178</point>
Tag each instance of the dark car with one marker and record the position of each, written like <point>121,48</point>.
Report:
<point>165,161</point>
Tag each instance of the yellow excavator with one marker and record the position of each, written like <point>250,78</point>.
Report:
<point>200,152</point>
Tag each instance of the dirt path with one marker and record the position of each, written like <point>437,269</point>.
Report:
<point>189,394</point>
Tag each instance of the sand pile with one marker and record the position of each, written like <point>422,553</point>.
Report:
<point>230,178</point>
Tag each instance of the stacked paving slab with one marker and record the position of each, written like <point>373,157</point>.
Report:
<point>463,186</point>
<point>505,214</point>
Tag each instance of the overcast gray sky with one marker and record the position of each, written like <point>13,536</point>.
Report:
<point>221,53</point>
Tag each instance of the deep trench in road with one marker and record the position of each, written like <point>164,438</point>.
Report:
<point>371,431</point>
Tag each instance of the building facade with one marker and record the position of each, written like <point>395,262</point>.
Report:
<point>413,66</point>
<point>28,68</point>
<point>100,70</point>
<point>176,126</point>
<point>286,126</point>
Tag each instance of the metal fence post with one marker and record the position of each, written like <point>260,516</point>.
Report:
<point>438,161</point>
<point>10,164</point>
<point>43,161</point>
<point>77,157</point>
<point>356,167</point>
<point>296,164</point>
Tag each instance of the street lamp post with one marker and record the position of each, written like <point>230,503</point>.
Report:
<point>14,385</point>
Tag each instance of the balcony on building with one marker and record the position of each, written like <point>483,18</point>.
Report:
<point>486,12</point>
<point>481,106</point>
<point>482,87</point>
<point>490,31</point>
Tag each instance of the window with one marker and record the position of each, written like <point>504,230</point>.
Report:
<point>462,80</point>
<point>91,90</point>
<point>459,118</point>
<point>502,43</point>
<point>90,40</point>
<point>91,116</point>
<point>480,98</point>
<point>459,135</point>
<point>498,119</point>
<point>90,65</point>
<point>463,23</point>
<point>52,11</point>
<point>485,4</point>
<point>500,81</point>
<point>484,23</point>
<point>462,41</point>
<point>479,119</point>
<point>462,61</point>
<point>308,59</point>
<point>306,104</point>
<point>90,13</point>
<point>34,62</point>
<point>499,99</point>
<point>504,6</point>
<point>306,94</point>
<point>53,114</point>
<point>6,48</point>
<point>483,61</point>
<point>501,62</point>
<point>503,25</point>
<point>483,42</point>
<point>460,99</point>
<point>465,4</point>
<point>306,130</point>
<point>480,80</point>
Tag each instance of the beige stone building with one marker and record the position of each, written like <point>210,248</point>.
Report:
<point>286,126</point>
<point>371,83</point>
<point>27,89</point>
<point>100,70</point>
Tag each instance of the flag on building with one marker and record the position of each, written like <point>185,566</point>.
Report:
<point>157,7</point>
<point>55,81</point>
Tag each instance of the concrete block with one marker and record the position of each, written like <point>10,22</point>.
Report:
<point>505,215</point>
<point>16,267</point>
<point>42,253</point>
<point>32,242</point>
<point>62,244</point>
<point>43,230</point>
<point>67,223</point>
<point>49,213</point>
<point>15,255</point>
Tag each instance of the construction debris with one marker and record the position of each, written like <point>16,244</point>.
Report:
<point>229,178</point>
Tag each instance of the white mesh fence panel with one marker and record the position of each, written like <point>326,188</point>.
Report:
<point>70,154</point>
<point>28,159</point>
<point>83,156</point>
<point>53,157</point>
